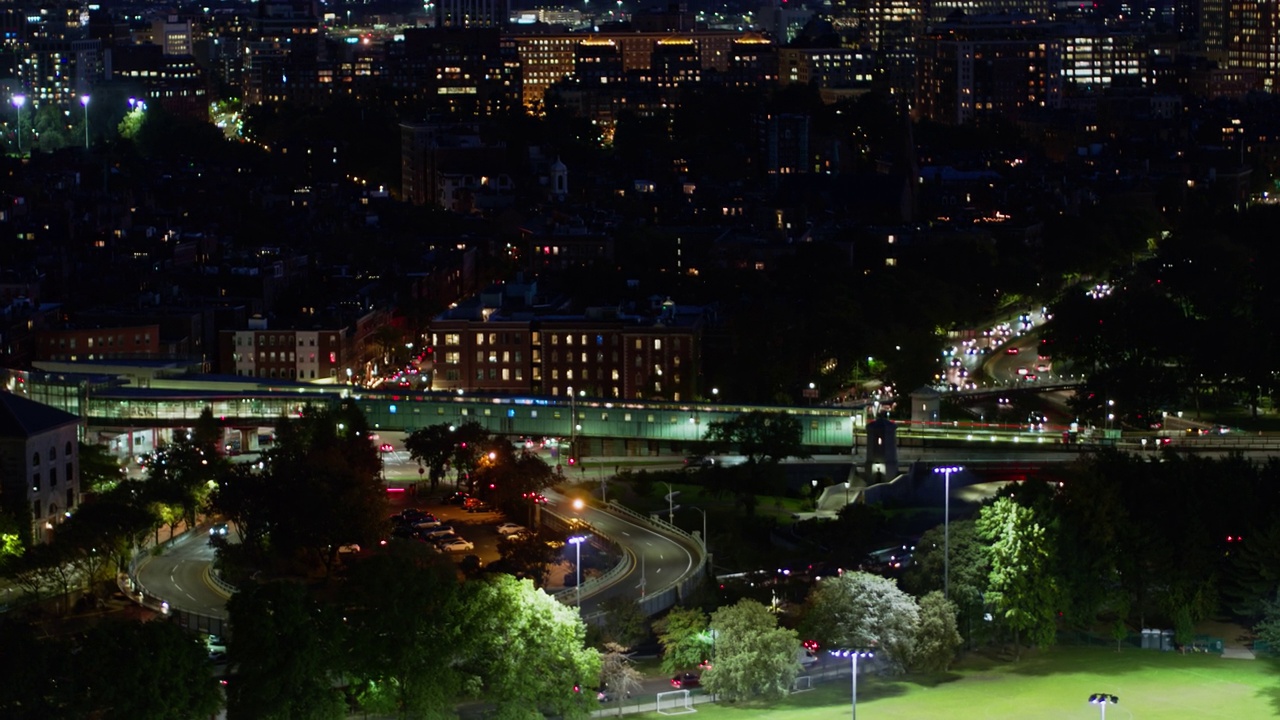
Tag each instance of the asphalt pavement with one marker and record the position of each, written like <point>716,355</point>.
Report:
<point>181,575</point>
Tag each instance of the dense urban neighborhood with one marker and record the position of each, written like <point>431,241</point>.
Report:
<point>503,360</point>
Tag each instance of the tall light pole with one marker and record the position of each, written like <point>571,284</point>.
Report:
<point>18,101</point>
<point>1102,700</point>
<point>577,541</point>
<point>946,526</point>
<point>704,527</point>
<point>671,503</point>
<point>84,100</point>
<point>853,654</point>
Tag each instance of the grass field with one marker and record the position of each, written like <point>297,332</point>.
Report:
<point>1052,685</point>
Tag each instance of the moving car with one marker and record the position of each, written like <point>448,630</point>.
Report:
<point>509,528</point>
<point>686,680</point>
<point>442,531</point>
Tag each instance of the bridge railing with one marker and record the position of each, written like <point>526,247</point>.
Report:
<point>130,584</point>
<point>595,584</point>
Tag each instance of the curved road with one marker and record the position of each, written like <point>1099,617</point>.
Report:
<point>658,560</point>
<point>181,576</point>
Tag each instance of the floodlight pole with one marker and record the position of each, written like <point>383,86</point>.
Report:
<point>853,654</point>
<point>946,526</point>
<point>576,541</point>
<point>1102,700</point>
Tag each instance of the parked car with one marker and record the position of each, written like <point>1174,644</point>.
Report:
<point>457,544</point>
<point>686,680</point>
<point>456,498</point>
<point>217,648</point>
<point>426,522</point>
<point>510,528</point>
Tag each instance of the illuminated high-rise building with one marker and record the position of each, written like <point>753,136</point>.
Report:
<point>472,13</point>
<point>283,52</point>
<point>941,10</point>
<point>984,68</point>
<point>1249,34</point>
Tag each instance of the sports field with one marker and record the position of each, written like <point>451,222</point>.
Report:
<point>1053,685</point>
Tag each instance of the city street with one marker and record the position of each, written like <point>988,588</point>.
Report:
<point>180,575</point>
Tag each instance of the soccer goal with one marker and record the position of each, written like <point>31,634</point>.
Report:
<point>675,702</point>
<point>802,683</point>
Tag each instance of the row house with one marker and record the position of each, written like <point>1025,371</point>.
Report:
<point>322,355</point>
<point>97,343</point>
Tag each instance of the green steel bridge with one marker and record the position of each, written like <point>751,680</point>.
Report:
<point>609,427</point>
<point>598,427</point>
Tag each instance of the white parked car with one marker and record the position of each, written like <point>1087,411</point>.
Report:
<point>510,529</point>
<point>457,545</point>
<point>436,533</point>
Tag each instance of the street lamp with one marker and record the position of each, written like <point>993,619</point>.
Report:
<point>577,541</point>
<point>704,527</point>
<point>84,100</point>
<point>671,503</point>
<point>1102,700</point>
<point>853,654</point>
<point>18,101</point>
<point>946,526</point>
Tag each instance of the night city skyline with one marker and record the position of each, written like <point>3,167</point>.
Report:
<point>480,358</point>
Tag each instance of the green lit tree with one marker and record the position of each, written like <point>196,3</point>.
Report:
<point>754,657</point>
<point>1022,584</point>
<point>970,569</point>
<point>685,637</point>
<point>10,538</point>
<point>936,640</point>
<point>527,650</point>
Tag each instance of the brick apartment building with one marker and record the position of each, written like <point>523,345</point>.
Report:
<point>601,353</point>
